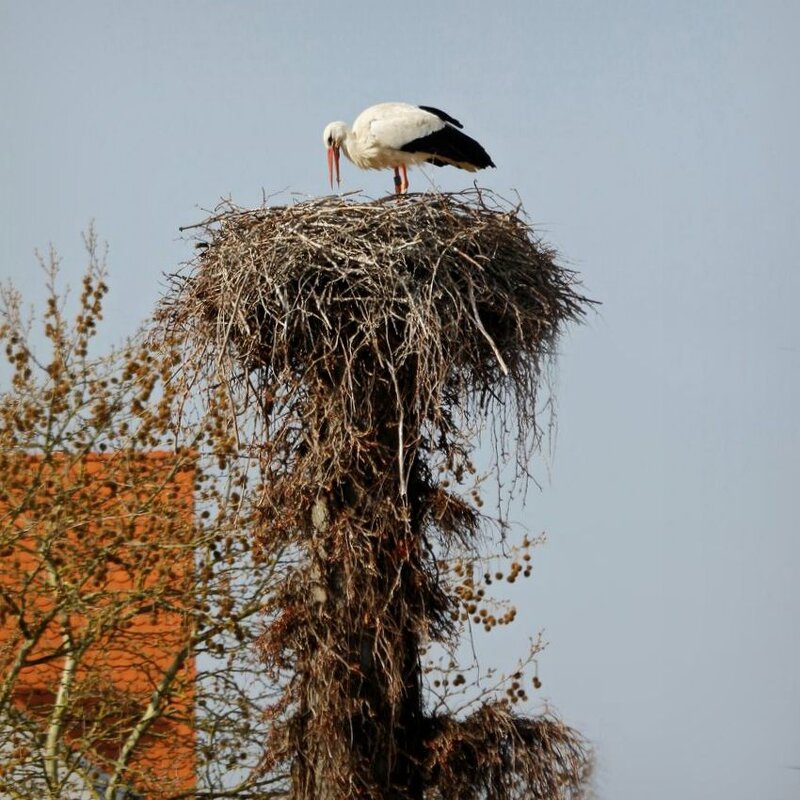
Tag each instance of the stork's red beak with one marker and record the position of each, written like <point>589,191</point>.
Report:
<point>333,160</point>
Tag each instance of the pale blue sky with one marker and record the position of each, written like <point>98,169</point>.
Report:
<point>657,145</point>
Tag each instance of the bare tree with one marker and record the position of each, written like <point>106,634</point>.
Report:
<point>130,591</point>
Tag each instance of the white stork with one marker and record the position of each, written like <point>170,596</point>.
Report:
<point>399,135</point>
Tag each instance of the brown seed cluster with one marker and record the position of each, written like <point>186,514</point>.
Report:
<point>475,604</point>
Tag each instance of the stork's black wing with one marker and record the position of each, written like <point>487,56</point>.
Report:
<point>442,115</point>
<point>450,146</point>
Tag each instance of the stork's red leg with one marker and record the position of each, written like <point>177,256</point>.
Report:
<point>404,173</point>
<point>398,184</point>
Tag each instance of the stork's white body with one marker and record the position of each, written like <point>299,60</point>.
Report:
<point>380,131</point>
<point>400,135</point>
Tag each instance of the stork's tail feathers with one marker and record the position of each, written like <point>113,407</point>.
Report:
<point>450,146</point>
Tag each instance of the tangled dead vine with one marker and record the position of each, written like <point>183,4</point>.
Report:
<point>373,339</point>
<point>497,754</point>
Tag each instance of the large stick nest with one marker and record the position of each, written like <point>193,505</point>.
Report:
<point>454,287</point>
<point>377,336</point>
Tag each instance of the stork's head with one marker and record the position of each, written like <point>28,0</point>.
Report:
<point>333,137</point>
